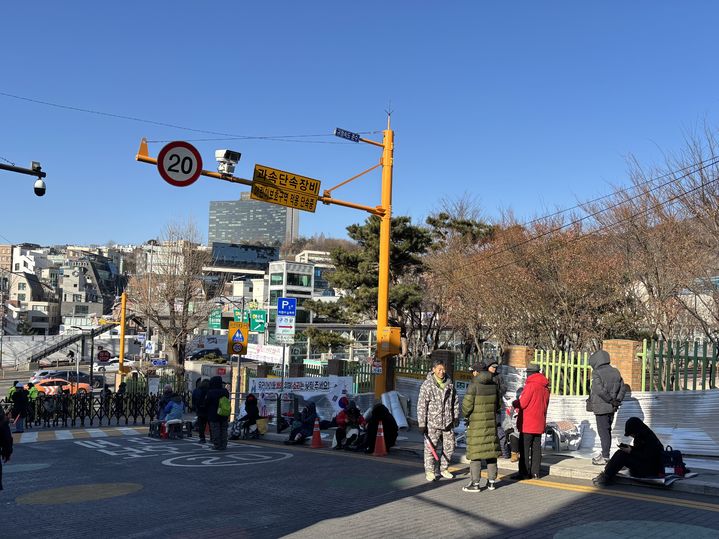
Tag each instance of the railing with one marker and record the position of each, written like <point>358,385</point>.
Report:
<point>74,410</point>
<point>568,373</point>
<point>677,366</point>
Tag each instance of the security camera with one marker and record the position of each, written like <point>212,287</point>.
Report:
<point>226,161</point>
<point>35,166</point>
<point>39,187</point>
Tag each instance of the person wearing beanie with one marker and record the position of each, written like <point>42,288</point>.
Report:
<point>532,421</point>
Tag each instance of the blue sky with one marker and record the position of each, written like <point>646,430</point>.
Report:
<point>529,106</point>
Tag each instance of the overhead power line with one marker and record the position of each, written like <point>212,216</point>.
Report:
<point>225,136</point>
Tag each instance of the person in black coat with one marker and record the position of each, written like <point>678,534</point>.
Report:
<point>20,404</point>
<point>608,391</point>
<point>389,427</point>
<point>200,405</point>
<point>5,441</point>
<point>644,458</point>
<point>218,423</point>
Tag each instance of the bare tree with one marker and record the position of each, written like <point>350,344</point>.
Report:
<point>172,295</point>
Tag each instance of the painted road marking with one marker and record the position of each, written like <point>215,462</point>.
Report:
<point>227,459</point>
<point>27,437</point>
<point>78,493</point>
<point>77,434</point>
<point>633,495</point>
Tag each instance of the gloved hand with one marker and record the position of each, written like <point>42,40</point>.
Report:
<point>423,430</point>
<point>615,403</point>
<point>456,423</point>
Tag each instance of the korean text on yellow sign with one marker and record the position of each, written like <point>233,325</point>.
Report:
<point>273,195</point>
<point>286,181</point>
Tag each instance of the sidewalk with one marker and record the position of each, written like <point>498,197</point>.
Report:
<point>574,465</point>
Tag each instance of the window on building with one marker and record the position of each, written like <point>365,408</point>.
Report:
<point>82,309</point>
<point>21,297</point>
<point>275,279</point>
<point>299,279</point>
<point>21,286</point>
<point>77,297</point>
<point>17,266</point>
<point>39,319</point>
<point>274,294</point>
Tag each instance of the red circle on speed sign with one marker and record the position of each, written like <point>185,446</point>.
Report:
<point>103,355</point>
<point>179,163</point>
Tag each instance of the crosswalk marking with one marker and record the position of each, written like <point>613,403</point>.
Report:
<point>77,434</point>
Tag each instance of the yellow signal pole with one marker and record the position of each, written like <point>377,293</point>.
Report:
<point>123,303</point>
<point>384,245</point>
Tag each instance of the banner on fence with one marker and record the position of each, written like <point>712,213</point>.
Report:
<point>325,392</point>
<point>267,353</point>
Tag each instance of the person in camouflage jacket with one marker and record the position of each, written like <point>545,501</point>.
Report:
<point>437,415</point>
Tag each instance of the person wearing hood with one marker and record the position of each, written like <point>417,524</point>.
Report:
<point>303,425</point>
<point>437,415</point>
<point>198,402</point>
<point>349,420</point>
<point>174,408</point>
<point>218,423</point>
<point>480,406</point>
<point>164,401</point>
<point>5,441</point>
<point>644,458</point>
<point>389,428</point>
<point>532,421</point>
<point>606,396</point>
<point>20,405</point>
<point>241,426</point>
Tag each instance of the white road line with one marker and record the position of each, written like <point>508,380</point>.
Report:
<point>127,431</point>
<point>96,433</point>
<point>27,437</point>
<point>64,435</point>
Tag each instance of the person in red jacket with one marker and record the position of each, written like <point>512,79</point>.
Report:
<point>532,420</point>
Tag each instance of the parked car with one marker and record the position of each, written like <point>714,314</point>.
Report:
<point>50,386</point>
<point>72,376</point>
<point>42,374</point>
<point>113,365</point>
<point>206,353</point>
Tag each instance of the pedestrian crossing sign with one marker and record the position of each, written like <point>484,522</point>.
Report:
<point>237,333</point>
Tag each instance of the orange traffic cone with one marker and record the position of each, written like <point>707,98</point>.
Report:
<point>316,437</point>
<point>380,449</point>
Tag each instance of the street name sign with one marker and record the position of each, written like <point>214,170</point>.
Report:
<point>258,320</point>
<point>215,319</point>
<point>349,135</point>
<point>159,362</point>
<point>241,316</point>
<point>179,163</point>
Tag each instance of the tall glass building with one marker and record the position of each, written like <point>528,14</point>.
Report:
<point>248,221</point>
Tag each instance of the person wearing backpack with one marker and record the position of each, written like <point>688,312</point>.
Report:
<point>218,412</point>
<point>606,396</point>
<point>644,458</point>
<point>199,396</point>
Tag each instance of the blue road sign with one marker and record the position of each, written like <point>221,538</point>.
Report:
<point>238,336</point>
<point>159,362</point>
<point>286,306</point>
<point>349,135</point>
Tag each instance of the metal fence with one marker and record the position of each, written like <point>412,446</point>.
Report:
<point>676,366</point>
<point>568,373</point>
<point>83,410</point>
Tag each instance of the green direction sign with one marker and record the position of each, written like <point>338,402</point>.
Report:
<point>241,316</point>
<point>258,319</point>
<point>215,320</point>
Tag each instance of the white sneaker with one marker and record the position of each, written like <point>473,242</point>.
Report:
<point>430,476</point>
<point>490,485</point>
<point>446,474</point>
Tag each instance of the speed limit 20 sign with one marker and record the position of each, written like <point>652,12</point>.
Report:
<point>179,163</point>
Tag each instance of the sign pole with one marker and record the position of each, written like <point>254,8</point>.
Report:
<point>282,389</point>
<point>384,245</point>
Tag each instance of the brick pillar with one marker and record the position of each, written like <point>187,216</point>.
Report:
<point>448,357</point>
<point>518,356</point>
<point>263,370</point>
<point>623,356</point>
<point>336,367</point>
<point>297,370</point>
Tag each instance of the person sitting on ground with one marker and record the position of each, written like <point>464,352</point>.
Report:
<point>644,458</point>
<point>164,401</point>
<point>350,422</point>
<point>389,428</point>
<point>303,426</point>
<point>244,423</point>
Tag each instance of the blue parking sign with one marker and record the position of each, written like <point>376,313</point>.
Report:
<point>286,306</point>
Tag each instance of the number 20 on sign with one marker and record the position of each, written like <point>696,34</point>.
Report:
<point>179,163</point>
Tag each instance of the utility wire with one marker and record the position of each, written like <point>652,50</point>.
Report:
<point>227,136</point>
<point>7,160</point>
<point>594,233</point>
<point>699,166</point>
